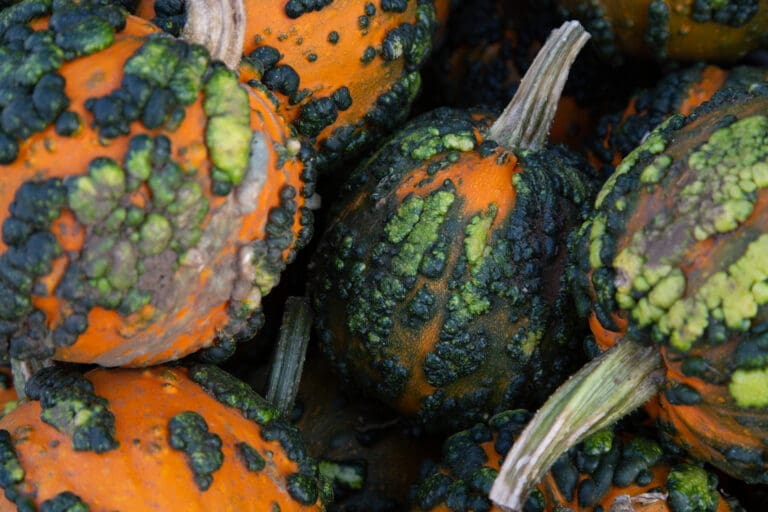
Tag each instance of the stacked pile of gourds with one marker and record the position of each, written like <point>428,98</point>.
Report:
<point>463,197</point>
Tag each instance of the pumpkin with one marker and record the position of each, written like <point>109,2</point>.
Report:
<point>610,470</point>
<point>671,265</point>
<point>149,199</point>
<point>438,284</point>
<point>162,438</point>
<point>344,72</point>
<point>685,30</point>
<point>679,92</point>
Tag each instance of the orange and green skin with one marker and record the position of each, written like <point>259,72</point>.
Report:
<point>345,73</point>
<point>675,255</point>
<point>437,287</point>
<point>676,93</point>
<point>690,30</point>
<point>131,182</point>
<point>588,478</point>
<point>150,440</point>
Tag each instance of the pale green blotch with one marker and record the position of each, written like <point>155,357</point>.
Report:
<point>596,232</point>
<point>423,234</point>
<point>730,294</point>
<point>228,132</point>
<point>155,234</point>
<point>476,234</point>
<point>155,61</point>
<point>668,290</point>
<point>653,173</point>
<point>750,387</point>
<point>405,219</point>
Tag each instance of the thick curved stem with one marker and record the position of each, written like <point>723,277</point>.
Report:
<point>526,121</point>
<point>603,391</point>
<point>219,26</point>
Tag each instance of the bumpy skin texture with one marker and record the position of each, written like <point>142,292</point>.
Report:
<point>677,93</point>
<point>675,254</point>
<point>157,439</point>
<point>149,199</point>
<point>438,285</point>
<point>682,30</point>
<point>606,470</point>
<point>345,72</point>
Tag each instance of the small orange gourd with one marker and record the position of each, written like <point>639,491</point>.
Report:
<point>685,30</point>
<point>343,72</point>
<point>157,439</point>
<point>149,199</point>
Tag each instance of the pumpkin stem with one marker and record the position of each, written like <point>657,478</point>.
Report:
<point>291,351</point>
<point>23,370</point>
<point>219,26</point>
<point>603,391</point>
<point>526,120</point>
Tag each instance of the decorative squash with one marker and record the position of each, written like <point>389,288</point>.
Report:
<point>672,264</point>
<point>149,199</point>
<point>608,471</point>
<point>162,438</point>
<point>688,30</point>
<point>677,93</point>
<point>344,72</point>
<point>438,285</point>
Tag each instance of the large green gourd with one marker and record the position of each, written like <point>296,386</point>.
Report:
<point>439,284</point>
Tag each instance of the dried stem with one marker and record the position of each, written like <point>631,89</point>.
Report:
<point>526,121</point>
<point>603,391</point>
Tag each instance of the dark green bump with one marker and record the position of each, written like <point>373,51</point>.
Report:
<point>303,488</point>
<point>70,405</point>
<point>88,35</point>
<point>250,457</point>
<point>188,431</point>
<point>64,502</point>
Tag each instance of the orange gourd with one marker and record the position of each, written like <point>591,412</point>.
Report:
<point>677,93</point>
<point>343,72</point>
<point>149,200</point>
<point>163,438</point>
<point>685,30</point>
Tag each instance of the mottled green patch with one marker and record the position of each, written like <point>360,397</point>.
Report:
<point>691,489</point>
<point>64,502</point>
<point>476,234</point>
<point>423,234</point>
<point>188,431</point>
<point>654,144</point>
<point>70,405</point>
<point>408,214</point>
<point>750,387</point>
<point>425,143</point>
<point>233,392</point>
